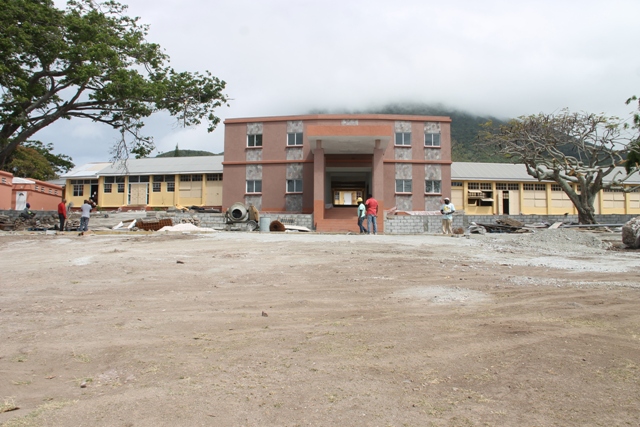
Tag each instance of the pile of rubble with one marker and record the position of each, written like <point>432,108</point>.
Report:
<point>37,223</point>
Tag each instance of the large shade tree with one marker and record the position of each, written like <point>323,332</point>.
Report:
<point>91,61</point>
<point>580,152</point>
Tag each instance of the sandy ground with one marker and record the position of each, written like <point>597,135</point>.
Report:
<point>300,329</point>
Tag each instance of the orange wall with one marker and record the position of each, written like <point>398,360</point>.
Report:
<point>6,186</point>
<point>46,198</point>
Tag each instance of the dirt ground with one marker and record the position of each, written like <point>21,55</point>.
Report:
<point>303,329</point>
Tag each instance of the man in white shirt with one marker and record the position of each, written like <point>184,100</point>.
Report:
<point>84,219</point>
<point>447,211</point>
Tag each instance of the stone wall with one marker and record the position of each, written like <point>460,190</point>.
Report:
<point>420,224</point>
<point>13,214</point>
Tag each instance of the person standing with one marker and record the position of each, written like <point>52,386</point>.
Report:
<point>62,213</point>
<point>447,210</point>
<point>372,214</point>
<point>84,218</point>
<point>361,215</point>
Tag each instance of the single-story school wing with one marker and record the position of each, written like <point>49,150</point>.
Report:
<point>507,189</point>
<point>159,182</point>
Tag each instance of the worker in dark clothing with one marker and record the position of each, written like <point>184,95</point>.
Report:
<point>27,213</point>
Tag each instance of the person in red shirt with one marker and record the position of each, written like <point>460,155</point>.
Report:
<point>372,214</point>
<point>62,213</point>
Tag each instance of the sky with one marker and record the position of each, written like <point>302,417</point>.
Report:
<point>282,57</point>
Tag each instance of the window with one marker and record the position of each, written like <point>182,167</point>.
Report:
<point>294,186</point>
<point>157,187</point>
<point>121,187</point>
<point>138,178</point>
<point>485,186</point>
<point>403,186</point>
<point>78,190</point>
<point>107,188</point>
<point>432,140</point>
<point>196,177</point>
<point>254,186</point>
<point>501,186</point>
<point>513,187</point>
<point>214,177</point>
<point>403,138</point>
<point>254,140</point>
<point>457,184</point>
<point>473,186</point>
<point>171,187</point>
<point>294,138</point>
<point>431,186</point>
<point>185,178</point>
<point>164,178</point>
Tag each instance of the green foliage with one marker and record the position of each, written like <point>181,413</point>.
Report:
<point>91,61</point>
<point>186,153</point>
<point>633,158</point>
<point>35,160</point>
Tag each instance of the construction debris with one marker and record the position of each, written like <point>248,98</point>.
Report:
<point>153,224</point>
<point>631,233</point>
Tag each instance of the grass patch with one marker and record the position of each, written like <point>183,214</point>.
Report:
<point>31,419</point>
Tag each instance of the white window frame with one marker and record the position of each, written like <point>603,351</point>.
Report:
<point>254,186</point>
<point>432,140</point>
<point>254,140</point>
<point>294,186</point>
<point>404,186</point>
<point>433,186</point>
<point>294,139</point>
<point>403,139</point>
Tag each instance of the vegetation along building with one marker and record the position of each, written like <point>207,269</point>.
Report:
<point>321,164</point>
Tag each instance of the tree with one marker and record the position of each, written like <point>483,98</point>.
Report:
<point>633,158</point>
<point>578,151</point>
<point>34,159</point>
<point>91,61</point>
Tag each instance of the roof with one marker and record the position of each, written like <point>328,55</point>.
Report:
<point>507,172</point>
<point>164,165</point>
<point>17,180</point>
<point>88,170</point>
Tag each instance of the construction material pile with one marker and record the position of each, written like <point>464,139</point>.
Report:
<point>631,233</point>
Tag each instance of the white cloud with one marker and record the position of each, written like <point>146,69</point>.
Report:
<point>493,57</point>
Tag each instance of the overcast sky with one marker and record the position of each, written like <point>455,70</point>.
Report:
<point>489,57</point>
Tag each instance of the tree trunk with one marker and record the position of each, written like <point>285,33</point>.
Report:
<point>586,216</point>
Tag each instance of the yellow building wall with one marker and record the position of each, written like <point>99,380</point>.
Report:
<point>561,204</point>
<point>534,202</point>
<point>190,193</point>
<point>113,199</point>
<point>457,198</point>
<point>213,193</point>
<point>163,198</point>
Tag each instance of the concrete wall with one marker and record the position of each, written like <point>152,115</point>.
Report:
<point>420,224</point>
<point>6,187</point>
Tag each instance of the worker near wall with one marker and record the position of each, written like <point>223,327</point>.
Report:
<point>62,213</point>
<point>27,213</point>
<point>361,215</point>
<point>447,210</point>
<point>372,214</point>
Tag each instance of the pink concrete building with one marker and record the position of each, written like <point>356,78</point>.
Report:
<point>6,186</point>
<point>321,164</point>
<point>41,195</point>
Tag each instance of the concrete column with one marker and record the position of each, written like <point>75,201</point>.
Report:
<point>377,185</point>
<point>318,182</point>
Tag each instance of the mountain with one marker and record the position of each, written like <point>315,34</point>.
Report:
<point>187,153</point>
<point>464,129</point>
